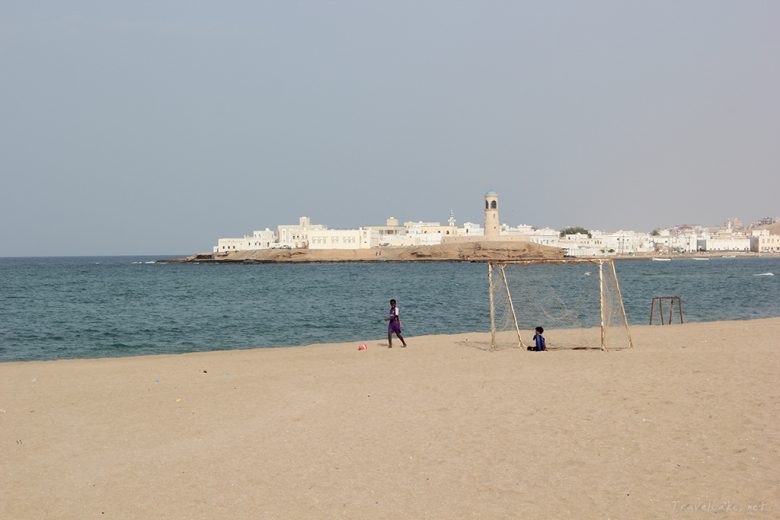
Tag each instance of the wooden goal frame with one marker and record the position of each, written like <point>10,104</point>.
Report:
<point>501,264</point>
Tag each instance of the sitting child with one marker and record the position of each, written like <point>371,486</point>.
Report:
<point>538,340</point>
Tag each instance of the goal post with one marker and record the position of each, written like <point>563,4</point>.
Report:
<point>579,308</point>
<point>619,296</point>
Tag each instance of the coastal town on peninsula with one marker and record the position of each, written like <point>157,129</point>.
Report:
<point>732,236</point>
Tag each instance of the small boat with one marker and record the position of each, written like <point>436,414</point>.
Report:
<point>729,256</point>
<point>654,259</point>
<point>764,274</point>
<point>699,258</point>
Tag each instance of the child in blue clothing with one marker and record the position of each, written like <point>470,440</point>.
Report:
<point>539,344</point>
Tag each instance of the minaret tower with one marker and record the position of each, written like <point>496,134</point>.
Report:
<point>492,224</point>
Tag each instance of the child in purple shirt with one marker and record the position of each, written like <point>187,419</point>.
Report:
<point>394,325</point>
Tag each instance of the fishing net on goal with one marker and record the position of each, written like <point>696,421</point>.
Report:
<point>577,302</point>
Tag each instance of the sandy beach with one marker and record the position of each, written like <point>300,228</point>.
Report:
<point>685,425</point>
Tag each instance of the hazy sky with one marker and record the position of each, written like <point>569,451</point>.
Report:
<point>157,127</point>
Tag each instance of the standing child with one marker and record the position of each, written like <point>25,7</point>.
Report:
<point>539,344</point>
<point>394,325</point>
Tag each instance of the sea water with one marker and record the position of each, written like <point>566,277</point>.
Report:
<point>90,307</point>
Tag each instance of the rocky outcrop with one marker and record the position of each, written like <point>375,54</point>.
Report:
<point>455,252</point>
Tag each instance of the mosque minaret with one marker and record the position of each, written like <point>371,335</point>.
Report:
<point>492,224</point>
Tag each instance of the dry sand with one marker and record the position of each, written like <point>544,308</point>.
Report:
<point>683,426</point>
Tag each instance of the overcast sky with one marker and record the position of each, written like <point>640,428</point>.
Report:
<point>157,127</point>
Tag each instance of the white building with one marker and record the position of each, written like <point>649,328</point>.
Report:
<point>297,236</point>
<point>675,241</point>
<point>470,229</point>
<point>427,233</point>
<point>762,242</point>
<point>727,242</point>
<point>579,244</point>
<point>522,230</point>
<point>342,238</point>
<point>626,242</point>
<point>392,234</point>
<point>546,237</point>
<point>263,239</point>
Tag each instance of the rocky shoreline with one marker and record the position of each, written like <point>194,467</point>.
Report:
<point>461,252</point>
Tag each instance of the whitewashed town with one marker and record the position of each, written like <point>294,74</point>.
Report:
<point>731,237</point>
